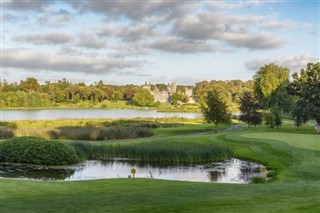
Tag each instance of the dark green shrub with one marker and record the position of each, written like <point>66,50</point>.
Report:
<point>36,151</point>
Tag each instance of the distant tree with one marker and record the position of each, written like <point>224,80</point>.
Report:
<point>249,107</point>
<point>128,92</point>
<point>269,120</point>
<point>162,87</point>
<point>215,110</point>
<point>267,80</point>
<point>30,84</point>
<point>280,100</point>
<point>306,87</point>
<point>143,98</point>
<point>178,97</point>
<point>277,119</point>
<point>118,96</point>
<point>201,89</point>
<point>300,114</point>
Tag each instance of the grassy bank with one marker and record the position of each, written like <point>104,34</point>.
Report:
<point>293,156</point>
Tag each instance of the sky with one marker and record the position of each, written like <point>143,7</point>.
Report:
<point>130,42</point>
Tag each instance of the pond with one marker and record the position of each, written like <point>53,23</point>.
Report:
<point>229,171</point>
<point>52,114</point>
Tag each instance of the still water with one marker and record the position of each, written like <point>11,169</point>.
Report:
<point>230,171</point>
<point>52,114</point>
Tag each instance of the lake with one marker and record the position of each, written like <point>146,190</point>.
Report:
<point>53,114</point>
<point>229,171</point>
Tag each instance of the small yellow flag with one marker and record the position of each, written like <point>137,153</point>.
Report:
<point>133,171</point>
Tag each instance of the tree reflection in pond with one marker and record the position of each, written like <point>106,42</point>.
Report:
<point>230,171</point>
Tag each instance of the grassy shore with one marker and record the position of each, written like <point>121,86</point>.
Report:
<point>292,156</point>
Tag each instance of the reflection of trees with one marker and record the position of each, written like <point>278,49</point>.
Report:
<point>213,175</point>
<point>39,173</point>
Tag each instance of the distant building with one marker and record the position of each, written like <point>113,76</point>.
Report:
<point>165,96</point>
<point>189,94</point>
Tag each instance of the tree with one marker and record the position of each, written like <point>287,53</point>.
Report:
<point>269,120</point>
<point>267,80</point>
<point>249,107</point>
<point>277,119</point>
<point>280,101</point>
<point>30,84</point>
<point>215,110</point>
<point>143,98</point>
<point>299,114</point>
<point>306,87</point>
<point>178,97</point>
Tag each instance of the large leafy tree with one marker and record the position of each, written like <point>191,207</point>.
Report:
<point>249,107</point>
<point>143,98</point>
<point>306,87</point>
<point>266,82</point>
<point>215,110</point>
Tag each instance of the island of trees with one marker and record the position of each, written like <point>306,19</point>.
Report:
<point>271,94</point>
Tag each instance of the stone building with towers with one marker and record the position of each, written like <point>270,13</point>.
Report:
<point>165,96</point>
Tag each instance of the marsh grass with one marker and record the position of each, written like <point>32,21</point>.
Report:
<point>155,151</point>
<point>100,133</point>
<point>88,129</point>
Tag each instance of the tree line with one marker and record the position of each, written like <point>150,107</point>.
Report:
<point>272,96</point>
<point>30,93</point>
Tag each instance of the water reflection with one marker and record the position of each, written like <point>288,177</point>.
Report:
<point>34,172</point>
<point>231,171</point>
<point>51,114</point>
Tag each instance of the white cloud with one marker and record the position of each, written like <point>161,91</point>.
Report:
<point>50,38</point>
<point>176,45</point>
<point>293,62</point>
<point>23,5</point>
<point>233,4</point>
<point>128,32</point>
<point>27,59</point>
<point>87,40</point>
<point>133,10</point>
<point>237,31</point>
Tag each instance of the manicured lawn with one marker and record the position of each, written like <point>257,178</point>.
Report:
<point>186,128</point>
<point>293,156</point>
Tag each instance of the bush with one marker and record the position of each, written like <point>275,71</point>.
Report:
<point>36,151</point>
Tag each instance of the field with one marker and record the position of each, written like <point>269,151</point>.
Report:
<point>292,156</point>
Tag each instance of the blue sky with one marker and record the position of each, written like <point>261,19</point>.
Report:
<point>122,42</point>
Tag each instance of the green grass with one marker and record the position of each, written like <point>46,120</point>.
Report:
<point>293,156</point>
<point>187,128</point>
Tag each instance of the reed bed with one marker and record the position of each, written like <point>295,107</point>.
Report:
<point>155,151</point>
<point>87,129</point>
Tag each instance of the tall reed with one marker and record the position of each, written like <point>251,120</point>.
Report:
<point>155,151</point>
